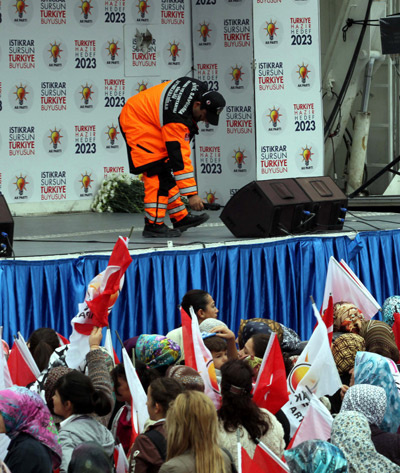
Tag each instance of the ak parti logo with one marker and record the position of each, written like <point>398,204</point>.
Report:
<point>274,116</point>
<point>21,94</point>
<point>210,197</point>
<point>204,30</point>
<point>174,51</point>
<point>112,134</point>
<point>55,137</point>
<point>142,86</point>
<point>55,51</point>
<point>112,49</point>
<point>86,182</point>
<point>143,7</point>
<point>20,184</point>
<point>86,93</point>
<point>20,6</point>
<point>239,157</point>
<point>86,8</point>
<point>303,72</point>
<point>237,75</point>
<point>306,155</point>
<point>271,29</point>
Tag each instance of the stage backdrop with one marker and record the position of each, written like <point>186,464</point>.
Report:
<point>289,120</point>
<point>68,66</point>
<point>223,57</point>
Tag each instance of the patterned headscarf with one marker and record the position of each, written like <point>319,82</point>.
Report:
<point>390,306</point>
<point>187,376</point>
<point>371,368</point>
<point>352,434</point>
<point>344,350</point>
<point>274,326</point>
<point>157,350</point>
<point>367,399</point>
<point>25,411</point>
<point>347,317</point>
<point>316,456</point>
<point>290,340</point>
<point>379,338</point>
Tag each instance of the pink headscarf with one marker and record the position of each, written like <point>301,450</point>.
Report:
<point>25,411</point>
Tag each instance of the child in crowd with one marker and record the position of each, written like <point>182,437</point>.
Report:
<point>218,349</point>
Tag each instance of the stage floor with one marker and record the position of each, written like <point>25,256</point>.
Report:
<point>79,233</point>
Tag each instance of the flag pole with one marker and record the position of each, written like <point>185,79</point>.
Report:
<point>272,455</point>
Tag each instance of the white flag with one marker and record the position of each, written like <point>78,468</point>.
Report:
<point>139,397</point>
<point>316,425</point>
<point>315,369</point>
<point>344,285</point>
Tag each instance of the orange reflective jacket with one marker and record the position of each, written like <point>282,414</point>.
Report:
<point>157,125</point>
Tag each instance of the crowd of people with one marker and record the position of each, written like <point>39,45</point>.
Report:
<point>70,420</point>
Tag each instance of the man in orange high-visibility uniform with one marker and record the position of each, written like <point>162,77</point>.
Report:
<point>158,125</point>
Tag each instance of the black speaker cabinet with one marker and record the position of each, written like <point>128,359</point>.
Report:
<point>267,208</point>
<point>329,203</point>
<point>6,228</point>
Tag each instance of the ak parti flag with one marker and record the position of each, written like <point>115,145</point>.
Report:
<point>198,357</point>
<point>316,425</point>
<point>101,295</point>
<point>270,391</point>
<point>315,368</point>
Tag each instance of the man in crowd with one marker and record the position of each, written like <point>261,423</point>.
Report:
<point>158,125</point>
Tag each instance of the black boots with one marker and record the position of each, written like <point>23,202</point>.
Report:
<point>191,221</point>
<point>152,230</point>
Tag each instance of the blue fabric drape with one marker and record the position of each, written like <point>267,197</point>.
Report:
<point>269,279</point>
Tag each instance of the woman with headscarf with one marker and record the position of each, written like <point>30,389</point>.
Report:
<point>371,401</point>
<point>351,433</point>
<point>347,318</point>
<point>374,369</point>
<point>316,456</point>
<point>379,338</point>
<point>239,415</point>
<point>389,308</point>
<point>27,421</point>
<point>157,351</point>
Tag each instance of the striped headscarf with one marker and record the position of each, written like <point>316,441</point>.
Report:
<point>379,338</point>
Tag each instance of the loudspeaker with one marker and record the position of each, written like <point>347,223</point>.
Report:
<point>6,228</point>
<point>329,203</point>
<point>267,208</point>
